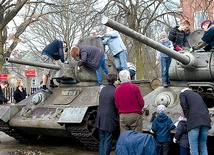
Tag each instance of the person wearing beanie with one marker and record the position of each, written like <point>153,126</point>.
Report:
<point>207,40</point>
<point>178,36</point>
<point>198,120</point>
<point>165,59</point>
<point>161,126</point>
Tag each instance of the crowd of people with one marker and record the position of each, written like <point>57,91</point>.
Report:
<point>120,106</point>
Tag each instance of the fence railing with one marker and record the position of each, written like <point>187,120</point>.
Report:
<point>10,91</point>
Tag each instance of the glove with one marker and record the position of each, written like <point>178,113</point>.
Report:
<point>98,36</point>
<point>174,140</point>
<point>176,123</point>
<point>178,48</point>
<point>191,50</point>
<point>79,68</point>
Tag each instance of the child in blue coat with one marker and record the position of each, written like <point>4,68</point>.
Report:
<point>161,127</point>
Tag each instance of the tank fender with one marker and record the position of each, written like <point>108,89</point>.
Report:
<point>72,115</point>
<point>8,111</point>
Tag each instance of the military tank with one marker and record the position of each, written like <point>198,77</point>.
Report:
<point>69,112</point>
<point>193,70</point>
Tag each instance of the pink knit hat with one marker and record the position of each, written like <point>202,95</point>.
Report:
<point>205,21</point>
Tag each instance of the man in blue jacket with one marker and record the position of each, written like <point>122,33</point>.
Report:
<point>116,47</point>
<point>53,51</point>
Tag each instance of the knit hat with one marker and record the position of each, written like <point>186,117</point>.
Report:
<point>161,109</point>
<point>185,89</point>
<point>163,35</point>
<point>205,21</point>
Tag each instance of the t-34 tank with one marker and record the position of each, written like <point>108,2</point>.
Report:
<point>69,112</point>
<point>193,70</point>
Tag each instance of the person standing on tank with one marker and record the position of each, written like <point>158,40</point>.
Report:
<point>107,119</point>
<point>165,59</point>
<point>53,51</point>
<point>116,47</point>
<point>198,120</point>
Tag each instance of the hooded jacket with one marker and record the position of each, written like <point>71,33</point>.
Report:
<point>161,126</point>
<point>181,134</point>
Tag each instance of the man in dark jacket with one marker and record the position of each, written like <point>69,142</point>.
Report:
<point>207,41</point>
<point>178,36</point>
<point>3,86</point>
<point>107,120</point>
<point>53,51</point>
<point>92,57</point>
<point>198,120</point>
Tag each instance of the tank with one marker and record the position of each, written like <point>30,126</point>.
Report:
<point>69,112</point>
<point>193,70</point>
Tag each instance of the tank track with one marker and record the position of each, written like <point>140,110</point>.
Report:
<point>86,131</point>
<point>11,132</point>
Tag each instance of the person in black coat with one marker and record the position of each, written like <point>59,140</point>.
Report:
<point>178,37</point>
<point>3,85</point>
<point>107,120</point>
<point>92,57</point>
<point>198,120</point>
<point>181,135</point>
<point>19,94</point>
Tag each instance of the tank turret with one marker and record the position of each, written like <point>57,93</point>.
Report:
<point>187,66</point>
<point>194,70</point>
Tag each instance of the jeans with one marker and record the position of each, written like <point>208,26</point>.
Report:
<point>105,142</point>
<point>120,60</point>
<point>198,140</point>
<point>184,151</point>
<point>165,63</point>
<point>104,68</point>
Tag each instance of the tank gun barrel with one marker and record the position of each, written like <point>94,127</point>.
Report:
<point>143,39</point>
<point>33,63</point>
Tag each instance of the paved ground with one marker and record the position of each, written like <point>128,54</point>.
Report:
<point>10,146</point>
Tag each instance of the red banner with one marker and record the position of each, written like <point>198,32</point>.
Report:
<point>30,73</point>
<point>3,77</point>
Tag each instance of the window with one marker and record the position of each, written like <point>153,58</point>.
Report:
<point>199,16</point>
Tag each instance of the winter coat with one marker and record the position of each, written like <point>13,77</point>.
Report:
<point>181,134</point>
<point>54,50</point>
<point>178,37</point>
<point>19,95</point>
<point>161,126</point>
<point>3,99</point>
<point>195,110</point>
<point>132,143</point>
<point>114,42</point>
<point>208,37</point>
<point>107,114</point>
<point>90,56</point>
